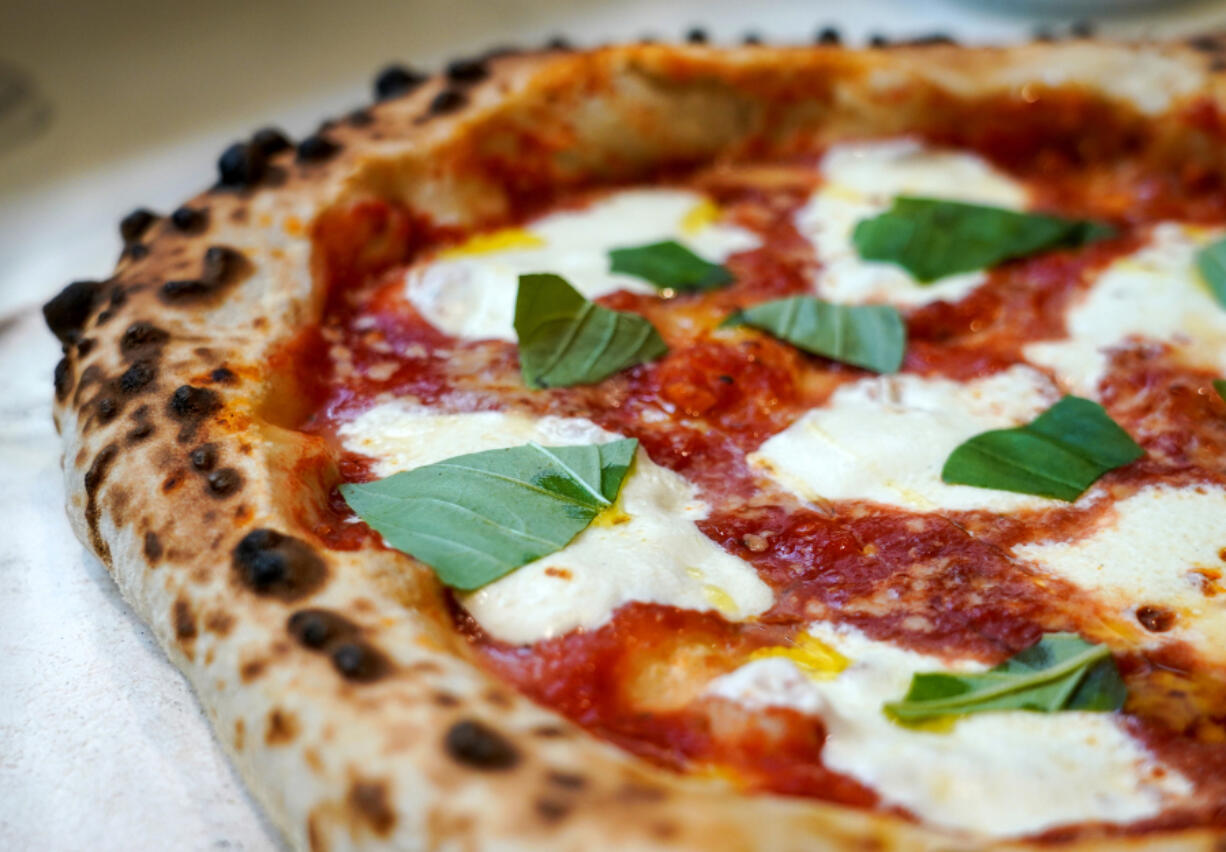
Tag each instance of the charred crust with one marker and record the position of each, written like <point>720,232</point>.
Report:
<point>559,43</point>
<point>370,803</point>
<point>270,140</point>
<point>190,406</point>
<point>67,313</point>
<point>142,426</point>
<point>223,376</point>
<point>224,482</point>
<point>94,477</point>
<point>190,220</point>
<point>751,39</point>
<point>467,71</point>
<point>85,346</point>
<point>152,548</point>
<point>137,377</point>
<point>184,621</point>
<point>219,622</point>
<point>696,35</point>
<point>551,810</point>
<point>141,335</point>
<point>318,628</point>
<point>281,727</point>
<point>273,564</point>
<point>204,457</point>
<point>241,166</point>
<point>445,699</point>
<point>133,226</point>
<point>315,149</point>
<point>63,379</point>
<point>878,40</point>
<point>90,375</point>
<point>930,39</point>
<point>447,101</point>
<point>396,80</point>
<point>359,661</point>
<point>222,266</point>
<point>549,732</point>
<point>135,251</point>
<point>1082,29</point>
<point>566,780</point>
<point>479,746</point>
<point>251,669</point>
<point>360,118</point>
<point>107,408</point>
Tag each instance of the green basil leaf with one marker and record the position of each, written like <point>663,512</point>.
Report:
<point>1060,672</point>
<point>1219,385</point>
<point>1211,261</point>
<point>566,340</point>
<point>869,336</point>
<point>1060,454</point>
<point>476,517</point>
<point>932,238</point>
<point>669,265</point>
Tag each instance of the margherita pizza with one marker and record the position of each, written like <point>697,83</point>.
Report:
<point>668,448</point>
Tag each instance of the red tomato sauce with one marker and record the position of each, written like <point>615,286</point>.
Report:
<point>939,583</point>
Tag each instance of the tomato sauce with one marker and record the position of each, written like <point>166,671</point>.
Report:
<point>940,583</point>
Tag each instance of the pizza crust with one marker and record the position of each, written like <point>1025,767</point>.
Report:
<point>334,678</point>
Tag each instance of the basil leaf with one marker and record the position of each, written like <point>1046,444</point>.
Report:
<point>566,340</point>
<point>669,265</point>
<point>1060,454</point>
<point>1060,672</point>
<point>1211,261</point>
<point>932,238</point>
<point>476,517</point>
<point>869,336</point>
<point>1219,385</point>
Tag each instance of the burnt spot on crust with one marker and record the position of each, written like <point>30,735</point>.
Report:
<point>467,71</point>
<point>479,746</point>
<point>190,220</point>
<point>252,669</point>
<point>396,80</point>
<point>141,336</point>
<point>94,477</point>
<point>184,621</point>
<point>142,426</point>
<point>549,732</point>
<point>278,565</point>
<point>223,376</point>
<point>63,379</point>
<point>281,727</point>
<point>135,251</point>
<point>152,548</point>
<point>137,377</point>
<point>106,407</point>
<point>241,166</point>
<point>358,661</point>
<point>447,101</point>
<point>133,226</point>
<point>85,346</point>
<point>559,42</point>
<point>318,628</point>
<point>445,699</point>
<point>566,780</point>
<point>219,622</point>
<point>370,803</point>
<point>551,810</point>
<point>270,140</point>
<point>696,35</point>
<point>315,149</point>
<point>190,406</point>
<point>360,118</point>
<point>204,457</point>
<point>67,313</point>
<point>222,267</point>
<point>90,375</point>
<point>224,482</point>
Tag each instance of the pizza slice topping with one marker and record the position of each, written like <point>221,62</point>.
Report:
<point>670,266</point>
<point>1059,454</point>
<point>566,340</point>
<point>868,336</point>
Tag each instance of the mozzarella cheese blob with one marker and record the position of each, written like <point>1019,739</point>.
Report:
<point>861,181</point>
<point>1160,547</point>
<point>1154,294</point>
<point>647,548</point>
<point>886,439</point>
<point>469,291</point>
<point>999,774</point>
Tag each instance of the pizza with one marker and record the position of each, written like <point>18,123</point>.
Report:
<point>681,447</point>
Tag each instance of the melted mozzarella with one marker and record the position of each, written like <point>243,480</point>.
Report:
<point>886,439</point>
<point>1159,547</point>
<point>472,294</point>
<point>1001,774</point>
<point>648,549</point>
<point>1155,294</point>
<point>861,181</point>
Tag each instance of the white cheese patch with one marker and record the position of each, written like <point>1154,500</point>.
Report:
<point>999,774</point>
<point>861,181</point>
<point>473,296</point>
<point>1159,547</point>
<point>649,551</point>
<point>1154,294</point>
<point>886,439</point>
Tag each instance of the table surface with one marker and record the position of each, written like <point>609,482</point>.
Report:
<point>101,741</point>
